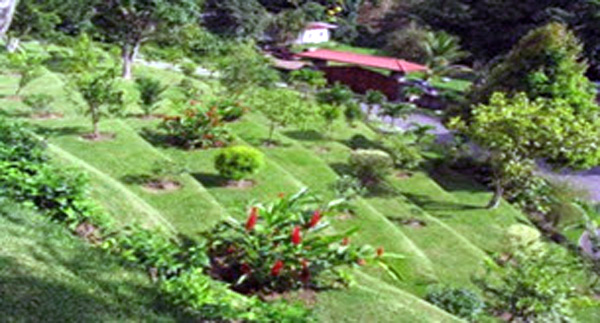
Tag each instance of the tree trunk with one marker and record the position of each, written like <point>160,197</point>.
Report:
<point>128,54</point>
<point>271,131</point>
<point>498,193</point>
<point>7,11</point>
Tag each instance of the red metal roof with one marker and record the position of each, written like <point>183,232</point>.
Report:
<point>388,63</point>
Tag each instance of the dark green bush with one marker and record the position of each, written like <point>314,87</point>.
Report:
<point>458,301</point>
<point>150,91</point>
<point>238,162</point>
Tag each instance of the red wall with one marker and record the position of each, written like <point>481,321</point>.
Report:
<point>361,80</point>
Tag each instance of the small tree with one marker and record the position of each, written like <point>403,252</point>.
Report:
<point>352,112</point>
<point>338,95</point>
<point>130,23</point>
<point>239,162</point>
<point>28,66</point>
<point>330,113</point>
<point>150,91</point>
<point>516,131</point>
<point>396,110</point>
<point>283,107</point>
<point>99,92</point>
<point>307,81</point>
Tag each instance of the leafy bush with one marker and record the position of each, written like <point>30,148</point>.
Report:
<point>338,95</point>
<point>238,162</point>
<point>533,286</point>
<point>39,103</point>
<point>25,176</point>
<point>348,187</point>
<point>188,69</point>
<point>189,90</point>
<point>212,300</point>
<point>150,91</point>
<point>457,301</point>
<point>405,152</point>
<point>353,112</point>
<point>196,128</point>
<point>329,113</point>
<point>282,247</point>
<point>370,166</point>
<point>229,109</point>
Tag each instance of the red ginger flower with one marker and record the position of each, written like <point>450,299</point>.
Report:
<point>252,218</point>
<point>296,236</point>
<point>315,219</point>
<point>379,251</point>
<point>277,267</point>
<point>346,241</point>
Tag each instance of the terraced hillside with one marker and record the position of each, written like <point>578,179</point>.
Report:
<point>436,221</point>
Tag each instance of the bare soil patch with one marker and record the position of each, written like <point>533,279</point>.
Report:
<point>46,116</point>
<point>162,186</point>
<point>16,98</point>
<point>414,223</point>
<point>101,137</point>
<point>240,185</point>
<point>403,175</point>
<point>306,296</point>
<point>89,232</point>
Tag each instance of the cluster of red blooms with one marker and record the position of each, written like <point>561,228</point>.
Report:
<point>296,239</point>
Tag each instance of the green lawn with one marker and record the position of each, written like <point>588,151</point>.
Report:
<point>47,275</point>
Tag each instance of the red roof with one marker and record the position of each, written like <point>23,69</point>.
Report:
<point>388,63</point>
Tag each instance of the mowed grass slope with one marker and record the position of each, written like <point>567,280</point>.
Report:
<point>447,250</point>
<point>47,275</point>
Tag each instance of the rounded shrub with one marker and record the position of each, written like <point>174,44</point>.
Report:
<point>238,162</point>
<point>370,166</point>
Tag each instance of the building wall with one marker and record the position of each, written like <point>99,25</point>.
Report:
<point>314,36</point>
<point>361,80</point>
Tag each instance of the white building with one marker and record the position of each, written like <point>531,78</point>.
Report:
<point>315,32</point>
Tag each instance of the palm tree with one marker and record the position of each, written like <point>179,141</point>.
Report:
<point>442,52</point>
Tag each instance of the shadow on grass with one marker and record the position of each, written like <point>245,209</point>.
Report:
<point>136,179</point>
<point>305,135</point>
<point>94,297</point>
<point>156,138</point>
<point>361,142</point>
<point>60,131</point>
<point>428,204</point>
<point>209,180</point>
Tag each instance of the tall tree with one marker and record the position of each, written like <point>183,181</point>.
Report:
<point>546,63</point>
<point>130,23</point>
<point>7,11</point>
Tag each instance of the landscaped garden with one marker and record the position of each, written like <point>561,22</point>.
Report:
<point>130,192</point>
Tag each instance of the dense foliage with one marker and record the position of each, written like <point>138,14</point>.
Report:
<point>197,128</point>
<point>458,301</point>
<point>238,162</point>
<point>283,246</point>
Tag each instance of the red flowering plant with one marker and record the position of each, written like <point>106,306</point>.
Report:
<point>286,245</point>
<point>197,127</point>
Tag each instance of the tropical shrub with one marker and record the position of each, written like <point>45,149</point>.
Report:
<point>348,187</point>
<point>196,128</point>
<point>329,113</point>
<point>238,162</point>
<point>338,94</point>
<point>457,301</point>
<point>229,109</point>
<point>150,91</point>
<point>370,166</point>
<point>533,286</point>
<point>39,103</point>
<point>282,246</point>
<point>188,69</point>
